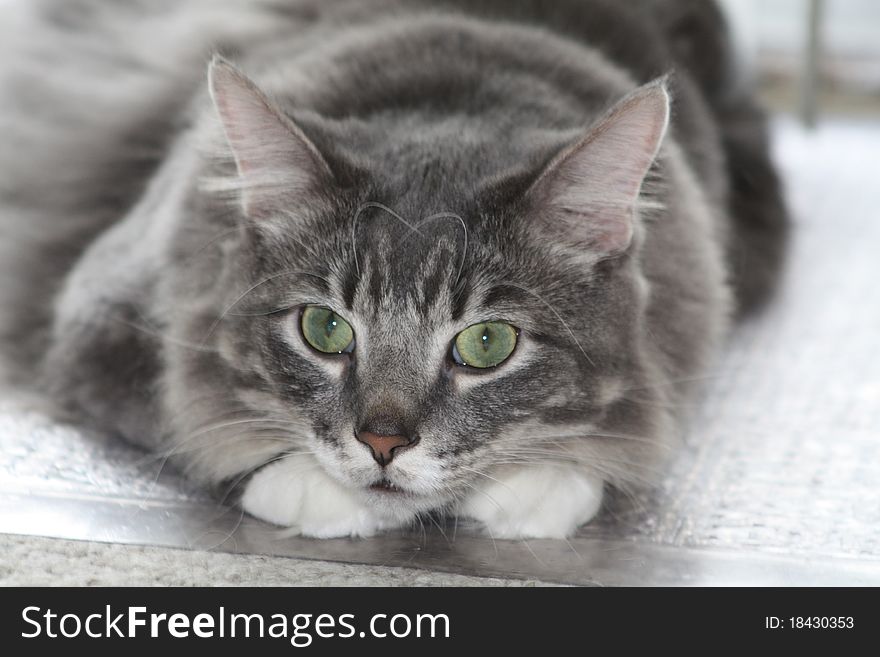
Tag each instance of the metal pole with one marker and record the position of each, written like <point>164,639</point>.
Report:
<point>810,74</point>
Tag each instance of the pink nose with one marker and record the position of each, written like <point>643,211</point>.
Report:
<point>384,447</point>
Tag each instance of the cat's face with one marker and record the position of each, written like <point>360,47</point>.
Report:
<point>470,346</point>
<point>425,335</point>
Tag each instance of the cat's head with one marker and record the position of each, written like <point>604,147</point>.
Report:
<point>419,307</point>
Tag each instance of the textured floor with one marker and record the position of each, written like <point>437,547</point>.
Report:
<point>35,561</point>
<point>779,482</point>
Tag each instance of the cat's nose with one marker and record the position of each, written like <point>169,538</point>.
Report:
<point>385,448</point>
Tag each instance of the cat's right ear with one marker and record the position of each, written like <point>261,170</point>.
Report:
<point>277,164</point>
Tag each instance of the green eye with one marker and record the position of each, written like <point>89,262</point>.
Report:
<point>484,345</point>
<point>326,331</point>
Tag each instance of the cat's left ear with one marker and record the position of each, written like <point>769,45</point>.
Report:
<point>587,195</point>
<point>277,164</point>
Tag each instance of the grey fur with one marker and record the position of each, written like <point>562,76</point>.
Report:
<point>134,289</point>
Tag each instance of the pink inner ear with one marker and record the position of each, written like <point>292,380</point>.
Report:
<point>274,158</point>
<point>611,235</point>
<point>591,189</point>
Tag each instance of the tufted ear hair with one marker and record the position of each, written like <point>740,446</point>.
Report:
<point>276,162</point>
<point>588,193</point>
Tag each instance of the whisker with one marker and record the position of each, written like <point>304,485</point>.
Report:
<point>216,441</point>
<point>489,477</point>
<point>356,220</point>
<point>558,316</point>
<point>244,294</point>
<point>228,535</point>
<point>188,445</point>
<point>447,215</point>
<point>670,382</point>
<point>493,501</point>
<point>209,243</point>
<point>275,459</point>
<point>439,528</point>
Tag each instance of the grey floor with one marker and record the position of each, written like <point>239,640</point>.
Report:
<point>776,483</point>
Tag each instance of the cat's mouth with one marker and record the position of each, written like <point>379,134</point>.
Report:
<point>386,486</point>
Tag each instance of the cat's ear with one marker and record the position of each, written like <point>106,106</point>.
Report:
<point>276,162</point>
<point>587,195</point>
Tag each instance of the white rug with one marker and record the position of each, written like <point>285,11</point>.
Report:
<point>34,561</point>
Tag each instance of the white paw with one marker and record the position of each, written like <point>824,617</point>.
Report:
<point>541,501</point>
<point>295,492</point>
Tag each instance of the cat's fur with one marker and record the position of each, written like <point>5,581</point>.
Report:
<point>418,166</point>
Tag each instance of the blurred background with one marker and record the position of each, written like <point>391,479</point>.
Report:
<point>812,57</point>
<point>808,56</point>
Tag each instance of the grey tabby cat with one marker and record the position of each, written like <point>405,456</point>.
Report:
<point>389,257</point>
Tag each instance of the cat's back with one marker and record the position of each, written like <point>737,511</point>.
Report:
<point>96,92</point>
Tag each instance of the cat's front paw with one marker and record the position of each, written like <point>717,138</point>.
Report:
<point>295,492</point>
<point>542,501</point>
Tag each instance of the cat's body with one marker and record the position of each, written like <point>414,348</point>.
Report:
<point>160,242</point>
